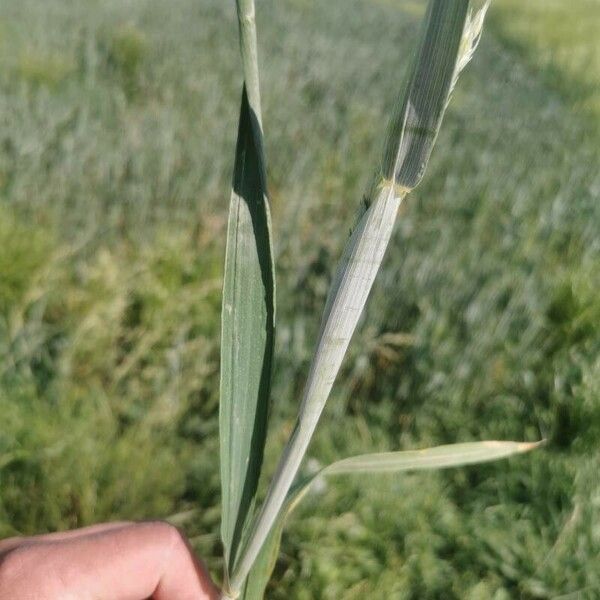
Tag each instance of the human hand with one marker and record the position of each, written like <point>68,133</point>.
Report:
<point>113,561</point>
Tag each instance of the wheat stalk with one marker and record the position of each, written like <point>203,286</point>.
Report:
<point>450,34</point>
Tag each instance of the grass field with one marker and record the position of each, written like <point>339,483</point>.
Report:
<point>117,126</point>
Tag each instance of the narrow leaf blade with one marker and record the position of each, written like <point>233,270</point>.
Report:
<point>247,332</point>
<point>439,457</point>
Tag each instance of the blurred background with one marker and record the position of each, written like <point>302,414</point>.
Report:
<point>117,130</point>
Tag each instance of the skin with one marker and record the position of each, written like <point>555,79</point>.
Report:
<point>113,561</point>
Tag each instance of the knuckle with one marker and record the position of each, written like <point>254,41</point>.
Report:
<point>172,536</point>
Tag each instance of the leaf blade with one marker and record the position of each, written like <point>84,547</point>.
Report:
<point>438,457</point>
<point>384,462</point>
<point>247,333</point>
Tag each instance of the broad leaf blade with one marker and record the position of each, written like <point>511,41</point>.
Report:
<point>247,331</point>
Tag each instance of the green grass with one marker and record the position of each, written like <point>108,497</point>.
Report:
<point>118,125</point>
<point>561,37</point>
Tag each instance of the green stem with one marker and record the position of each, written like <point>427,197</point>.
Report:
<point>248,48</point>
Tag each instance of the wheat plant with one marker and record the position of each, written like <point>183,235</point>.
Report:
<point>250,534</point>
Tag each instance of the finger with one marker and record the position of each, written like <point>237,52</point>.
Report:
<point>18,541</point>
<point>124,563</point>
<point>14,542</point>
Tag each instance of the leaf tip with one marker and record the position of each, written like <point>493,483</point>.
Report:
<point>528,446</point>
<point>519,447</point>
